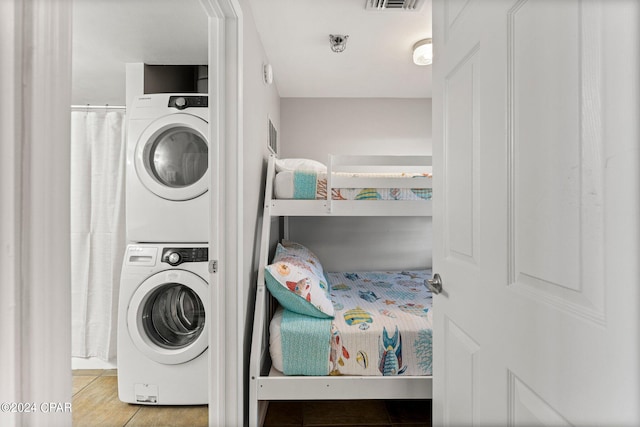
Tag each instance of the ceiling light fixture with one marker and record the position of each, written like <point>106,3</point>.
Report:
<point>338,42</point>
<point>423,52</point>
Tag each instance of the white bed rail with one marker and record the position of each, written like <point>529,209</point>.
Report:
<point>379,163</point>
<point>263,310</point>
<point>340,170</point>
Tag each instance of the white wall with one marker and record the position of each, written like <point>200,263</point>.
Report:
<point>260,101</point>
<point>315,128</point>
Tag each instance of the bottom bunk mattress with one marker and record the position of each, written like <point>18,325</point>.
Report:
<point>382,326</point>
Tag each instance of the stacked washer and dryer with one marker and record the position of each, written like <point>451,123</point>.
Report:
<point>164,298</point>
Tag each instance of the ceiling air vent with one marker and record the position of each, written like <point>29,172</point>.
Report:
<point>410,5</point>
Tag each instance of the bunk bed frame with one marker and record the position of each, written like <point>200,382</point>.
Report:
<point>265,382</point>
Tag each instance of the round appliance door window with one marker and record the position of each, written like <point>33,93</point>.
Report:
<point>167,316</point>
<point>172,157</point>
<point>173,316</point>
<point>177,158</point>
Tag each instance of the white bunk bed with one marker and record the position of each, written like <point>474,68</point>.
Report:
<point>265,382</point>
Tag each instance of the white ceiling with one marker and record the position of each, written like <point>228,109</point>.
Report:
<point>295,34</point>
<point>376,63</point>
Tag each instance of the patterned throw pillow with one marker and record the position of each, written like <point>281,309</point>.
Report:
<point>298,284</point>
<point>293,248</point>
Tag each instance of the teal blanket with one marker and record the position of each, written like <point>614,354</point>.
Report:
<point>304,184</point>
<point>306,342</point>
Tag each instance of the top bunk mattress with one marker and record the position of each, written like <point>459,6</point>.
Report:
<point>312,185</point>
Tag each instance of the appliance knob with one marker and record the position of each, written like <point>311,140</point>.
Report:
<point>174,258</point>
<point>181,103</point>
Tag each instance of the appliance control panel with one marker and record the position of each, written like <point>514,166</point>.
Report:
<point>177,256</point>
<point>186,101</point>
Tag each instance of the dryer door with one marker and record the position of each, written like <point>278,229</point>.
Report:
<point>172,157</point>
<point>166,317</point>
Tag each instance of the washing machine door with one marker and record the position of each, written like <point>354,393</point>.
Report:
<point>172,157</point>
<point>166,317</point>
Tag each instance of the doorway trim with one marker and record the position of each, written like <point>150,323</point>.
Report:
<point>35,299</point>
<point>226,368</point>
<point>35,296</point>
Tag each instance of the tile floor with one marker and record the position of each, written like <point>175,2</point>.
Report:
<point>96,404</point>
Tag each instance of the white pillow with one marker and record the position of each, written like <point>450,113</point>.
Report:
<point>299,164</point>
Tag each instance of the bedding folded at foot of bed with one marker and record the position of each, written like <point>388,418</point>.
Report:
<point>306,343</point>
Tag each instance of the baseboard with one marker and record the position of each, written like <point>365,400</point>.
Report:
<point>91,363</point>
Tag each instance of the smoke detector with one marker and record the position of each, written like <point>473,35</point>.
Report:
<point>338,42</point>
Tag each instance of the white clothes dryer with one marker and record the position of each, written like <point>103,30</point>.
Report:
<point>167,175</point>
<point>162,354</point>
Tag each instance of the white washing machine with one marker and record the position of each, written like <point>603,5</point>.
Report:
<point>167,175</point>
<point>163,326</point>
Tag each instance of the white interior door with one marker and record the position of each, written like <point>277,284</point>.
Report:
<point>536,212</point>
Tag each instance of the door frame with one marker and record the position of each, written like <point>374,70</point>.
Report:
<point>35,296</point>
<point>226,386</point>
<point>35,197</point>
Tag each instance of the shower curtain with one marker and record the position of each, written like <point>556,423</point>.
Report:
<point>97,229</point>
